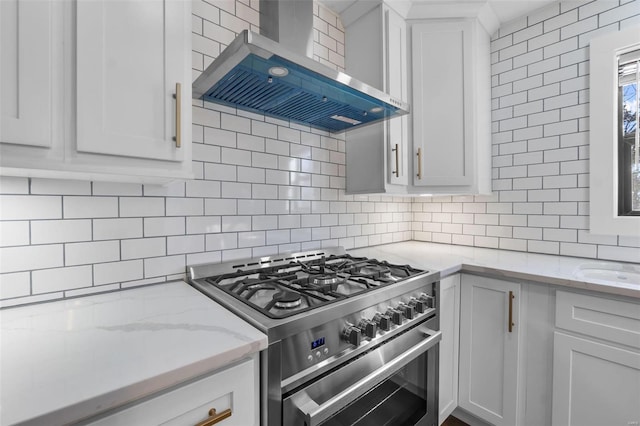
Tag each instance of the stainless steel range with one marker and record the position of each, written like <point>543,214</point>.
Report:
<point>352,341</point>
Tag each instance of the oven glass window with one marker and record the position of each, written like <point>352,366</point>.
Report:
<point>398,401</point>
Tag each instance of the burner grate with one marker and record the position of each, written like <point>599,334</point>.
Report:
<point>298,283</point>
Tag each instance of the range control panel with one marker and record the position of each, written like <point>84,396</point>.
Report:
<point>372,325</point>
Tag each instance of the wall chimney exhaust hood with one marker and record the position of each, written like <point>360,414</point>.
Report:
<point>257,74</point>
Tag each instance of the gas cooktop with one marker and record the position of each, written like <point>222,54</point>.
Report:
<point>280,288</point>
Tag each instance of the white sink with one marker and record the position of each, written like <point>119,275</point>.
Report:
<point>617,272</point>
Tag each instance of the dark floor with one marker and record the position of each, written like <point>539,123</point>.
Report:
<point>452,421</point>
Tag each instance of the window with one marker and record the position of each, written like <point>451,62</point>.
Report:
<point>629,137</point>
<point>614,166</point>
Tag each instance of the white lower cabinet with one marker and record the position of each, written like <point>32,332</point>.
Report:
<point>489,349</point>
<point>450,327</point>
<point>596,375</point>
<point>235,388</point>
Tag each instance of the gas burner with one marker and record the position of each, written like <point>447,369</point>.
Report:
<point>248,282</point>
<point>375,271</point>
<point>287,300</point>
<point>327,280</point>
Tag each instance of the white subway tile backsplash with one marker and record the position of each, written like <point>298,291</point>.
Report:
<point>221,241</point>
<point>117,229</point>
<point>282,184</point>
<point>13,285</point>
<point>205,116</point>
<point>567,235</point>
<point>234,123</point>
<point>89,207</point>
<point>236,156</point>
<point>27,258</point>
<point>60,187</point>
<point>166,265</point>
<point>91,252</point>
<point>105,273</point>
<point>185,244</point>
<point>14,185</point>
<point>163,226</point>
<point>14,233</point>
<point>625,254</point>
<point>117,188</point>
<point>143,247</point>
<point>59,279</point>
<point>25,207</point>
<point>140,207</point>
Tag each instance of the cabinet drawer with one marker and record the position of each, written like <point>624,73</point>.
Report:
<point>234,388</point>
<point>607,319</point>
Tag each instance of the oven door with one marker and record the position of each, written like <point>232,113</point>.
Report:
<point>392,384</point>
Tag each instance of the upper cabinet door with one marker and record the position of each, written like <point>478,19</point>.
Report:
<point>397,86</point>
<point>27,43</point>
<point>442,106</point>
<point>130,55</point>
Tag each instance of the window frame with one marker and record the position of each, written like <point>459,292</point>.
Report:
<point>604,134</point>
<point>625,161</point>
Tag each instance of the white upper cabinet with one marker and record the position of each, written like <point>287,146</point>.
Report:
<point>28,46</point>
<point>451,107</point>
<point>129,59</point>
<point>376,53</point>
<point>89,86</point>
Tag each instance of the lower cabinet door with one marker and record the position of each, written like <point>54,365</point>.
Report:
<point>489,349</point>
<point>450,327</point>
<point>594,383</point>
<point>234,389</point>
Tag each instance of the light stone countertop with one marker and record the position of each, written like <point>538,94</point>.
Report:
<point>549,269</point>
<point>63,361</point>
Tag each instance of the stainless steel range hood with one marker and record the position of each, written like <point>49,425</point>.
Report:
<point>255,73</point>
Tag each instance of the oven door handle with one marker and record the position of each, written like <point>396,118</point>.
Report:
<point>316,414</point>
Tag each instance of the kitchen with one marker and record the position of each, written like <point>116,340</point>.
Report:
<point>262,186</point>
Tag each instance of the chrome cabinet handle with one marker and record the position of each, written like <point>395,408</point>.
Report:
<point>315,413</point>
<point>178,97</point>
<point>214,417</point>
<point>511,324</point>
<point>419,154</point>
<point>396,150</point>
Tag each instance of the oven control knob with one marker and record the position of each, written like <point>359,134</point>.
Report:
<point>396,316</point>
<point>352,335</point>
<point>428,300</point>
<point>418,305</point>
<point>383,321</point>
<point>368,328</point>
<point>408,310</point>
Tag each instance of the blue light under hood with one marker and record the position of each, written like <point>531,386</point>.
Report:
<point>309,93</point>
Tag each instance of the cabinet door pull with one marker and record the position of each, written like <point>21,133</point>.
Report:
<point>419,154</point>
<point>397,172</point>
<point>178,97</point>
<point>511,324</point>
<point>215,417</point>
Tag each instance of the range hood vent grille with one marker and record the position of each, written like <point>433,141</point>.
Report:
<point>309,93</point>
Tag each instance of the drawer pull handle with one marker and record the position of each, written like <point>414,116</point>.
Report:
<point>419,154</point>
<point>397,172</point>
<point>511,324</point>
<point>178,97</point>
<point>214,417</point>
